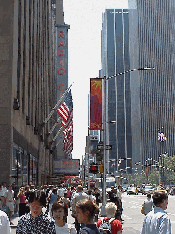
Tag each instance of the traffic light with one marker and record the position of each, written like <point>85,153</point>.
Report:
<point>93,169</point>
<point>130,163</point>
<point>101,167</point>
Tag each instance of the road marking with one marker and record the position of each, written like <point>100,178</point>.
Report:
<point>125,216</point>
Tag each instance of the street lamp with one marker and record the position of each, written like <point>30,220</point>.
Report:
<point>104,126</point>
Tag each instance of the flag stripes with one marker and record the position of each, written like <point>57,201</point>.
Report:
<point>65,111</point>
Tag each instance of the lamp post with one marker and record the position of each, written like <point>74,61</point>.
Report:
<point>104,126</point>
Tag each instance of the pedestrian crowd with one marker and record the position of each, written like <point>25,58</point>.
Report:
<point>28,202</point>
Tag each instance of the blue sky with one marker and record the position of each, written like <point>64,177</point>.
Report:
<point>84,61</point>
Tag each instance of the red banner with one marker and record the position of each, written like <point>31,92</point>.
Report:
<point>95,104</point>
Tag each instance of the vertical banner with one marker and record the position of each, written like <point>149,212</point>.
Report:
<point>146,172</point>
<point>95,104</point>
<point>61,59</point>
<point>61,64</point>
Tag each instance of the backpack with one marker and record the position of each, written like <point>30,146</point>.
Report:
<point>105,226</point>
<point>86,230</point>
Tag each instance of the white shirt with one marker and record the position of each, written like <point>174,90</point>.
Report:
<point>9,195</point>
<point>4,223</point>
<point>61,192</point>
<point>156,222</point>
<point>66,229</point>
<point>4,190</point>
<point>93,198</point>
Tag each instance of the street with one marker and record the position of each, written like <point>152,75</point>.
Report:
<point>133,219</point>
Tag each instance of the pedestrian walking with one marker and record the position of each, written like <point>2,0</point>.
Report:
<point>35,221</point>
<point>66,200</point>
<point>147,205</point>
<point>15,188</point>
<point>69,193</point>
<point>53,197</point>
<point>97,195</point>
<point>10,201</point>
<point>4,224</point>
<point>157,220</point>
<point>79,195</point>
<point>110,223</point>
<point>22,203</point>
<point>1,197</point>
<point>3,191</point>
<point>60,212</point>
<point>92,197</point>
<point>85,212</point>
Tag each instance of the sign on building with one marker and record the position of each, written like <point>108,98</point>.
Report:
<point>67,167</point>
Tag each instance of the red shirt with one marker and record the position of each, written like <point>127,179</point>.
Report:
<point>22,198</point>
<point>115,225</point>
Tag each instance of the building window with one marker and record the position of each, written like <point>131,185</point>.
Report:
<point>19,165</point>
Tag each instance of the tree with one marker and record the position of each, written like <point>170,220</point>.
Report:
<point>153,177</point>
<point>169,168</point>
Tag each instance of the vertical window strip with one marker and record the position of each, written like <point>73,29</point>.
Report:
<point>24,55</point>
<point>30,61</point>
<point>19,50</point>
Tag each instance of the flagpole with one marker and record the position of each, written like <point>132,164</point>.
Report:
<point>54,126</point>
<point>53,109</point>
<point>59,131</point>
<point>59,101</point>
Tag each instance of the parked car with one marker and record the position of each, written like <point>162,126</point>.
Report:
<point>148,189</point>
<point>132,190</point>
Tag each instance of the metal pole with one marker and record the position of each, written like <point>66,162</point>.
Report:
<point>103,212</point>
<point>104,143</point>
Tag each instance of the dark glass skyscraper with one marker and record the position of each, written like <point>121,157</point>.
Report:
<point>152,34</point>
<point>115,59</point>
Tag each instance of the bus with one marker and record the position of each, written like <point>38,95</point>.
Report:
<point>110,181</point>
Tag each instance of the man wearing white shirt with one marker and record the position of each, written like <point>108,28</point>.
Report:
<point>10,201</point>
<point>4,223</point>
<point>157,220</point>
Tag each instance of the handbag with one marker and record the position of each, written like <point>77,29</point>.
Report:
<point>143,209</point>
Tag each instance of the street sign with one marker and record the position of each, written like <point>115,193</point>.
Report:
<point>108,147</point>
<point>101,147</point>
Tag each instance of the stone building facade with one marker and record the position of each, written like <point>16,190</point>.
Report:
<point>27,90</point>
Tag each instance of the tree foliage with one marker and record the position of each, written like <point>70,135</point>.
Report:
<point>166,167</point>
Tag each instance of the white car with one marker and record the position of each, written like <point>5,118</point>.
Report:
<point>148,189</point>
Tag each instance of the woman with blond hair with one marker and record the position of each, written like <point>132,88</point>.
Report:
<point>22,203</point>
<point>115,225</point>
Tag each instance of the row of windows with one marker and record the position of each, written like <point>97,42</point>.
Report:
<point>156,91</point>
<point>35,67</point>
<point>115,40</point>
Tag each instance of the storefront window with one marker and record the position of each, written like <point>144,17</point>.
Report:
<point>24,166</point>
<point>33,169</point>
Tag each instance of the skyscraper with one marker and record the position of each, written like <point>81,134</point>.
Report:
<point>152,34</point>
<point>115,59</point>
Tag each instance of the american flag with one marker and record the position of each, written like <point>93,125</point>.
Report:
<point>68,136</point>
<point>161,137</point>
<point>65,109</point>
